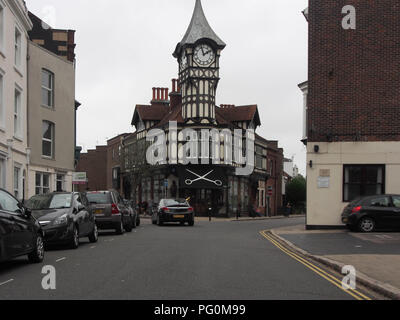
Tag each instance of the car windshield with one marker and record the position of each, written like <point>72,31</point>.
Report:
<point>175,202</point>
<point>99,197</point>
<point>50,201</point>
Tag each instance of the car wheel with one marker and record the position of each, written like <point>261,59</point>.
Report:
<point>37,255</point>
<point>134,223</point>
<point>159,222</point>
<point>75,238</point>
<point>128,227</point>
<point>94,236</point>
<point>120,228</point>
<point>191,223</point>
<point>366,225</point>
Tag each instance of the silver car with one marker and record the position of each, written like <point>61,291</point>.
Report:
<point>110,211</point>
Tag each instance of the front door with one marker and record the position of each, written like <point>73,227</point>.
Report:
<point>21,240</point>
<point>7,234</point>
<point>380,207</point>
<point>396,210</point>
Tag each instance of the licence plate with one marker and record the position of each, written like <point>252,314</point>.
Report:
<point>179,216</point>
<point>98,211</point>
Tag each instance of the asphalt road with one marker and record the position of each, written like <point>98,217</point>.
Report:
<point>218,260</point>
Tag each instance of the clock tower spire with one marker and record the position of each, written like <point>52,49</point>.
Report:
<point>198,56</point>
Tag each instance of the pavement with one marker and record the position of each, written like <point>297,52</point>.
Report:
<point>375,256</point>
<point>200,219</point>
<point>217,260</point>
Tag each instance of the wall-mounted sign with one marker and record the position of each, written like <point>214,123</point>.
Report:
<point>324,173</point>
<point>324,182</point>
<point>79,178</point>
<point>202,177</point>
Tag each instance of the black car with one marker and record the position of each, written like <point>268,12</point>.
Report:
<point>173,210</point>
<point>65,217</point>
<point>368,214</point>
<point>20,233</point>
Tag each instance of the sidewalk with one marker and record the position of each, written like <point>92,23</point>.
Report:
<point>375,256</point>
<point>213,219</point>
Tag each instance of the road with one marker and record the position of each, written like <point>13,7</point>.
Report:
<point>217,260</point>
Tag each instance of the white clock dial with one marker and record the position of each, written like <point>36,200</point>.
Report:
<point>204,55</point>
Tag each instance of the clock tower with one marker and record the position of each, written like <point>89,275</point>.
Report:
<point>198,56</point>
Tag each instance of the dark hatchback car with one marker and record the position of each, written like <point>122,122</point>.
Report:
<point>111,211</point>
<point>20,233</point>
<point>173,210</point>
<point>64,217</point>
<point>368,214</point>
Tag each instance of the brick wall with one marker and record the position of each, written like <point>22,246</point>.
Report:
<point>94,163</point>
<point>114,160</point>
<point>354,75</point>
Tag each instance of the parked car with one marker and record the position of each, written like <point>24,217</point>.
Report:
<point>65,217</point>
<point>368,214</point>
<point>111,211</point>
<point>20,233</point>
<point>135,215</point>
<point>173,210</point>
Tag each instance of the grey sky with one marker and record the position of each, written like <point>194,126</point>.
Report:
<point>124,48</point>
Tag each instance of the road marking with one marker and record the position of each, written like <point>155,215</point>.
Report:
<point>337,282</point>
<point>92,247</point>
<point>61,259</point>
<point>5,282</point>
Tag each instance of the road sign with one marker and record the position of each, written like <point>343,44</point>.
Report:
<point>79,178</point>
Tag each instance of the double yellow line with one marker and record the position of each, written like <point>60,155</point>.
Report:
<point>335,281</point>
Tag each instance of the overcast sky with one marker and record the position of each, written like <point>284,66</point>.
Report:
<point>124,48</point>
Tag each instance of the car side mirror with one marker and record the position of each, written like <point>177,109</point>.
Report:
<point>28,212</point>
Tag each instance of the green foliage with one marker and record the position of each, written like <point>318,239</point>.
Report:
<point>296,191</point>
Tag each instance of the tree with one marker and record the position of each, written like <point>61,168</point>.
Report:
<point>296,192</point>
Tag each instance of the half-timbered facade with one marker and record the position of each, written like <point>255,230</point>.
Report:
<point>192,104</point>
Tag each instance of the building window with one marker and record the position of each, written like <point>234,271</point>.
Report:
<point>17,182</point>
<point>42,183</point>
<point>48,139</point>
<point>47,89</point>
<point>17,114</point>
<point>363,180</point>
<point>60,182</point>
<point>18,48</point>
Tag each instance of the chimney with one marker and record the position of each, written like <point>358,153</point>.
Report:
<point>175,96</point>
<point>160,96</point>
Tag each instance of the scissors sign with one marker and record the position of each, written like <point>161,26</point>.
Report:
<point>190,182</point>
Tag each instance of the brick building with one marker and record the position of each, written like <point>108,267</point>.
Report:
<point>114,159</point>
<point>352,106</point>
<point>94,163</point>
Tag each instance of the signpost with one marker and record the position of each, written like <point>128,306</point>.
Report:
<point>79,178</point>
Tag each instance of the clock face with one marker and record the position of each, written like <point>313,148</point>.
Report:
<point>204,55</point>
<point>183,60</point>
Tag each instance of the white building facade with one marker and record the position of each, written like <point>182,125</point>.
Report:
<point>14,152</point>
